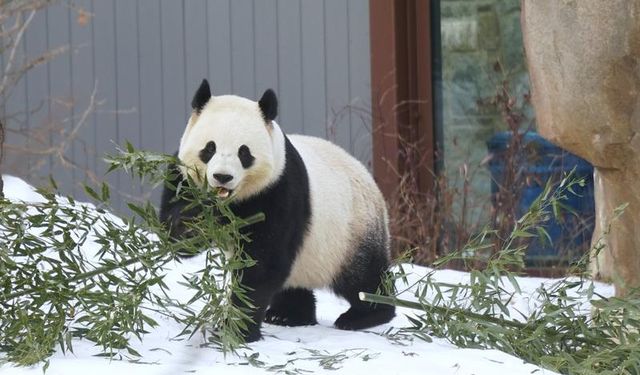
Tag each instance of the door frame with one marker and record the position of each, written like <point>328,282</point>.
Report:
<point>402,95</point>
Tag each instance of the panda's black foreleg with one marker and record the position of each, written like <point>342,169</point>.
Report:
<point>261,284</point>
<point>260,301</point>
<point>175,212</point>
<point>292,307</point>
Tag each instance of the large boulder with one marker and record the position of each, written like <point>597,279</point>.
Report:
<point>584,62</point>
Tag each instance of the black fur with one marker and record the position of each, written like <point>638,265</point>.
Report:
<point>207,152</point>
<point>172,211</point>
<point>275,242</point>
<point>201,97</point>
<point>364,274</point>
<point>292,307</point>
<point>269,105</point>
<point>246,159</point>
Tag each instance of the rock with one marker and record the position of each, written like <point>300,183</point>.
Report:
<point>584,63</point>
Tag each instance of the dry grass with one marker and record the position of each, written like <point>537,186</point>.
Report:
<point>430,224</point>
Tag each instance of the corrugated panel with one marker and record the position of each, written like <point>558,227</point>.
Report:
<point>219,26</point>
<point>32,104</point>
<point>150,76</point>
<point>59,96</point>
<point>337,79</point>
<point>105,68</point>
<point>127,82</point>
<point>314,100</point>
<point>16,118</point>
<point>289,65</point>
<point>148,57</point>
<point>82,86</point>
<point>174,103</point>
<point>266,46</point>
<point>360,82</point>
<point>196,36</point>
<point>152,121</point>
<point>242,56</point>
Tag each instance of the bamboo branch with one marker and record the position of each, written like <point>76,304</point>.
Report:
<point>90,274</point>
<point>530,326</point>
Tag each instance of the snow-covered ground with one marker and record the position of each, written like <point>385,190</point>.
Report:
<point>297,350</point>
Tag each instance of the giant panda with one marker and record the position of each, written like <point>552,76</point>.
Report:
<point>325,224</point>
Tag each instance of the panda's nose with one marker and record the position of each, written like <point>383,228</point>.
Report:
<point>222,178</point>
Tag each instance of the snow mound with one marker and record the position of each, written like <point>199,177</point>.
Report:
<point>17,189</point>
<point>317,349</point>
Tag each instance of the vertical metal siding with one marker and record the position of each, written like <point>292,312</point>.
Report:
<point>314,71</point>
<point>148,57</point>
<point>82,81</point>
<point>109,115</point>
<point>59,76</point>
<point>31,95</point>
<point>360,82</point>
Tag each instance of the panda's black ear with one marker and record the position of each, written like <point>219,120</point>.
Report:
<point>202,96</point>
<point>269,105</point>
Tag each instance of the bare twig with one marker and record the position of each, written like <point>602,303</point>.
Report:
<point>21,27</point>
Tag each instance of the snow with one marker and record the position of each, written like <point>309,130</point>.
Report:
<point>293,349</point>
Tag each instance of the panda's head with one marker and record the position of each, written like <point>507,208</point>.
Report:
<point>232,143</point>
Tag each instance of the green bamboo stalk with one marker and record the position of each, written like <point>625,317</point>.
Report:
<point>90,274</point>
<point>388,300</point>
<point>125,263</point>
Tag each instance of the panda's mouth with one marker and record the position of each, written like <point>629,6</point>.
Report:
<point>222,192</point>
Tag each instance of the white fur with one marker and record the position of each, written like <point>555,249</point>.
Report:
<point>231,121</point>
<point>345,201</point>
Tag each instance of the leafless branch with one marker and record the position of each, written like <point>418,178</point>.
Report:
<point>14,47</point>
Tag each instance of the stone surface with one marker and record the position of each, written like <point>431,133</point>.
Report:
<point>584,63</point>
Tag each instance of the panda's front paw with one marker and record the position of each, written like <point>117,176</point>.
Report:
<point>252,336</point>
<point>282,318</point>
<point>272,317</point>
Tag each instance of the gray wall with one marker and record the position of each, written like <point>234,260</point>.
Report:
<point>148,57</point>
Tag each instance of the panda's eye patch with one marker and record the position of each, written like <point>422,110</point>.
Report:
<point>246,159</point>
<point>208,151</point>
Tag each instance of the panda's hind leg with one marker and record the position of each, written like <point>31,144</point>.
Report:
<point>364,274</point>
<point>292,307</point>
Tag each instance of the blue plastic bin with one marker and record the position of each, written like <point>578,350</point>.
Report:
<point>540,161</point>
